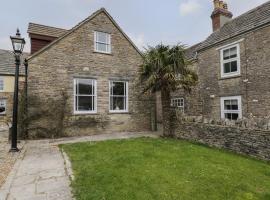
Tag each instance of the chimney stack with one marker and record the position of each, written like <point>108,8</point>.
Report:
<point>220,15</point>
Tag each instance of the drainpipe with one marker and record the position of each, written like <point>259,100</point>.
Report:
<point>246,81</point>
<point>26,89</point>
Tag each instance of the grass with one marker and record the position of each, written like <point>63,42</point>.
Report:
<point>164,169</point>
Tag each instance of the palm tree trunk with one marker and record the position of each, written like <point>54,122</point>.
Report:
<point>166,104</point>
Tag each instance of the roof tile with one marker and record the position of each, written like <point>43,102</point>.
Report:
<point>252,19</point>
<point>7,63</point>
<point>45,30</point>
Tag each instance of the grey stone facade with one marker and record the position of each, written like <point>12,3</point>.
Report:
<point>52,71</point>
<point>202,121</point>
<point>252,84</point>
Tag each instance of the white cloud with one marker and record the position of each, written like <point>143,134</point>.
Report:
<point>139,40</point>
<point>189,7</point>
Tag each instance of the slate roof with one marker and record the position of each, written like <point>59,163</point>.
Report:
<point>45,30</point>
<point>7,63</point>
<point>68,32</point>
<point>250,20</point>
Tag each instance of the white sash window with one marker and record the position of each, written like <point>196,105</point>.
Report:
<point>85,96</point>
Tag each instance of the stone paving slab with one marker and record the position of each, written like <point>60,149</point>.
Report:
<point>42,173</point>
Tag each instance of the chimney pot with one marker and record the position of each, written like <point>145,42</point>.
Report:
<point>225,6</point>
<point>221,4</point>
<point>216,4</point>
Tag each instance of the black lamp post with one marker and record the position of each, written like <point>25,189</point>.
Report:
<point>18,45</point>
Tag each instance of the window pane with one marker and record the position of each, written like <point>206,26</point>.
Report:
<point>102,47</point>
<point>234,104</point>
<point>227,105</point>
<point>85,103</point>
<point>85,87</point>
<point>118,103</point>
<point>2,107</point>
<point>232,116</point>
<point>227,67</point>
<point>118,88</point>
<point>235,116</point>
<point>234,66</point>
<point>231,104</point>
<point>228,116</point>
<point>1,84</point>
<point>102,37</point>
<point>226,54</point>
<point>233,52</point>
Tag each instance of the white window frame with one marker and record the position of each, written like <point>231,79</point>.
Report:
<point>4,102</point>
<point>237,58</point>
<point>3,84</point>
<point>108,45</point>
<point>177,100</point>
<point>126,96</point>
<point>223,111</point>
<point>93,96</point>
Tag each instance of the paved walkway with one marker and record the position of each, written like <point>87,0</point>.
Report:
<point>41,173</point>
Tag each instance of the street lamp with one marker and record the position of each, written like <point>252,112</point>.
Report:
<point>18,45</point>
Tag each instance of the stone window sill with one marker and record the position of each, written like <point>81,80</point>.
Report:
<point>115,113</point>
<point>230,77</point>
<point>104,53</point>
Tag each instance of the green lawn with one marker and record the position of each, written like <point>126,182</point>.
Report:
<point>164,169</point>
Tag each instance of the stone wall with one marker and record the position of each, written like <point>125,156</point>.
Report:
<point>50,86</point>
<point>248,136</point>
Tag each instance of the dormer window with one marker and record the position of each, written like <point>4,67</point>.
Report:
<point>102,42</point>
<point>230,61</point>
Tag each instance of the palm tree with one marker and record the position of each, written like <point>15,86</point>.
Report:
<point>165,69</point>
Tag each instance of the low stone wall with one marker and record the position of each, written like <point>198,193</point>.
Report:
<point>248,136</point>
<point>252,142</point>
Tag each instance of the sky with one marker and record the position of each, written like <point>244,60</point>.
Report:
<point>146,22</point>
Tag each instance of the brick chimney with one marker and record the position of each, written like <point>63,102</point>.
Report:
<point>220,15</point>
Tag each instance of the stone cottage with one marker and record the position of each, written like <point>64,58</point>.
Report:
<point>7,77</point>
<point>85,80</point>
<point>230,106</point>
<point>233,65</point>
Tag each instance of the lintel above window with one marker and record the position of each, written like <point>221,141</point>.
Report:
<point>230,61</point>
<point>102,42</point>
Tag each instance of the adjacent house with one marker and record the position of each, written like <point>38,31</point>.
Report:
<point>233,65</point>
<point>85,80</point>
<point>7,72</point>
